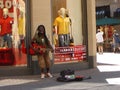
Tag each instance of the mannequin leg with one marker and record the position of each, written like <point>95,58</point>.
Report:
<point>9,41</point>
<point>61,40</point>
<point>67,39</point>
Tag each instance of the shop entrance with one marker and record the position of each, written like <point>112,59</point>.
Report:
<point>12,35</point>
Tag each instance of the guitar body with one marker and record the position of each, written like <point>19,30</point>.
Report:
<point>36,49</point>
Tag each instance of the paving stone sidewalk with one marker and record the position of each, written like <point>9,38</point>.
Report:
<point>33,82</point>
<point>105,77</point>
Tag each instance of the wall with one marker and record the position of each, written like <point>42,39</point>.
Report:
<point>106,2</point>
<point>41,14</point>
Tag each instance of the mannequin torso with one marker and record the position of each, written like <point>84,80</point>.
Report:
<point>62,23</point>
<point>61,26</point>
<point>6,29</point>
<point>6,23</point>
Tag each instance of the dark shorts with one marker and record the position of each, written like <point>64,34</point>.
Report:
<point>100,44</point>
<point>116,45</point>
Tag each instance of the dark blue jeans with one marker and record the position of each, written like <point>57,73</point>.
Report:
<point>7,39</point>
<point>64,40</point>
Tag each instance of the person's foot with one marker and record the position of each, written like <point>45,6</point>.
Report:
<point>49,75</point>
<point>42,75</point>
<point>101,53</point>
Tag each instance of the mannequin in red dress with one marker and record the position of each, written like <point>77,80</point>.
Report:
<point>6,29</point>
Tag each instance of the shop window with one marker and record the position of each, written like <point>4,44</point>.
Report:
<point>102,11</point>
<point>68,31</point>
<point>12,27</point>
<point>117,13</point>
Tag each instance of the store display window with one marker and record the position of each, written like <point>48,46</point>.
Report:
<point>12,32</point>
<point>68,31</point>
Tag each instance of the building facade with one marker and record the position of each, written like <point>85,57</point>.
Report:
<point>81,55</point>
<point>82,13</point>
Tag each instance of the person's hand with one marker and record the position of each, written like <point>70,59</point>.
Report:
<point>36,51</point>
<point>43,50</point>
<point>52,50</point>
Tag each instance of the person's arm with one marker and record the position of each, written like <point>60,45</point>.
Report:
<point>34,45</point>
<point>0,28</point>
<point>49,45</point>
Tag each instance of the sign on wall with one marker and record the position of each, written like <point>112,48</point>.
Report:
<point>6,4</point>
<point>70,54</point>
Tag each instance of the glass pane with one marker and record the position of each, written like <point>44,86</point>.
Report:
<point>12,32</point>
<point>68,32</point>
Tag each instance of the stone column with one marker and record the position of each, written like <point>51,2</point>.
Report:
<point>91,22</point>
<point>40,15</point>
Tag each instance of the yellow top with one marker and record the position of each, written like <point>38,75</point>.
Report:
<point>62,25</point>
<point>21,30</point>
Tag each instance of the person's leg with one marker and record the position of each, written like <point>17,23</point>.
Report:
<point>114,48</point>
<point>41,65</point>
<point>101,48</point>
<point>98,45</point>
<point>48,64</point>
<point>117,47</point>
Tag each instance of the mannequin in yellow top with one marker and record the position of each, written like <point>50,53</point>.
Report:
<point>21,30</point>
<point>61,26</point>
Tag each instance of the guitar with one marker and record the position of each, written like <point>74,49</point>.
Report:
<point>37,49</point>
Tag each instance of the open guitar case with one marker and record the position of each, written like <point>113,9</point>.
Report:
<point>68,75</point>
